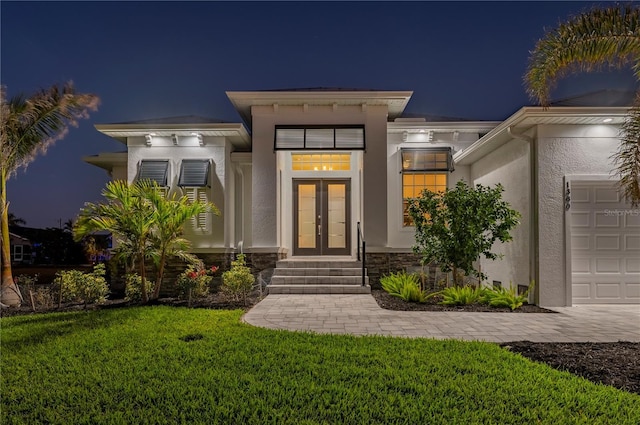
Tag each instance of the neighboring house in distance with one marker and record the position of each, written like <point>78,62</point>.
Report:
<point>315,162</point>
<point>20,248</point>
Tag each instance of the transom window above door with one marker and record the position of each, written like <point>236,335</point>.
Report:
<point>321,162</point>
<point>319,137</point>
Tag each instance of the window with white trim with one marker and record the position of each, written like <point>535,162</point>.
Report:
<point>423,169</point>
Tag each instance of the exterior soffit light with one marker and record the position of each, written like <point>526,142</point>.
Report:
<point>607,120</point>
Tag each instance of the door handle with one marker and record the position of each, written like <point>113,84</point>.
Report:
<point>319,225</point>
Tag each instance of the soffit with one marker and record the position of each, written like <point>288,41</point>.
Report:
<point>235,132</point>
<point>528,117</point>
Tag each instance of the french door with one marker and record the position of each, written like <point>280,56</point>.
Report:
<point>321,211</point>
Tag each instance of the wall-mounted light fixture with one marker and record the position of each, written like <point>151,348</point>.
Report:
<point>405,136</point>
<point>174,137</point>
<point>148,138</point>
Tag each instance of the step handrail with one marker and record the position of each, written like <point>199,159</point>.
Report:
<point>362,243</point>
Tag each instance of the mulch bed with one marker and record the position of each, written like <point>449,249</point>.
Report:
<point>390,302</point>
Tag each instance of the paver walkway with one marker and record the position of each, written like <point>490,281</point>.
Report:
<point>361,315</point>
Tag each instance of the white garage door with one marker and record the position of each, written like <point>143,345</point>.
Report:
<point>605,246</point>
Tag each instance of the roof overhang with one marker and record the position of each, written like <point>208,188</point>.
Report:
<point>531,116</point>
<point>441,127</point>
<point>235,132</point>
<point>395,101</point>
<point>107,160</point>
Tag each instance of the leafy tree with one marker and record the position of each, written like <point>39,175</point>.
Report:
<point>587,42</point>
<point>455,227</point>
<point>29,127</point>
<point>145,224</point>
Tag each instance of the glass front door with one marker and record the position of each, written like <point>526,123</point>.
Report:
<point>321,217</point>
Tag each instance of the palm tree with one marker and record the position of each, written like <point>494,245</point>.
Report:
<point>587,42</point>
<point>15,221</point>
<point>29,127</point>
<point>145,225</point>
<point>128,216</point>
<point>171,214</point>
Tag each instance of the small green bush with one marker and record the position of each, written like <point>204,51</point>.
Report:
<point>462,295</point>
<point>85,288</point>
<point>503,297</point>
<point>238,281</point>
<point>133,287</point>
<point>403,285</point>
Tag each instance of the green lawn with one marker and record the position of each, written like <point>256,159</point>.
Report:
<point>174,365</point>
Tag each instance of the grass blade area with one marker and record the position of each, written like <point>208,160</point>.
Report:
<point>164,365</point>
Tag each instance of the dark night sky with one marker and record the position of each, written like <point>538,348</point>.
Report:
<point>160,59</point>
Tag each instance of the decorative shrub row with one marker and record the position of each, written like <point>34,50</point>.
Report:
<point>406,286</point>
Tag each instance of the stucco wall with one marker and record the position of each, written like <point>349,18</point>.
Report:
<point>214,149</point>
<point>267,229</point>
<point>564,150</point>
<point>510,166</point>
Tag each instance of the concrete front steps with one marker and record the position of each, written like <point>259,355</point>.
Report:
<point>318,276</point>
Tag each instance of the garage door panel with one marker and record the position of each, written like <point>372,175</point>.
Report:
<point>608,290</point>
<point>632,243</point>
<point>632,265</point>
<point>632,219</point>
<point>605,219</point>
<point>607,265</point>
<point>581,265</point>
<point>605,245</point>
<point>633,291</point>
<point>580,242</point>
<point>580,195</point>
<point>605,195</point>
<point>580,219</point>
<point>607,242</point>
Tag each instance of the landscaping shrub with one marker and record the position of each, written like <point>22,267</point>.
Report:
<point>464,295</point>
<point>503,297</point>
<point>238,281</point>
<point>85,288</point>
<point>133,287</point>
<point>195,278</point>
<point>403,285</point>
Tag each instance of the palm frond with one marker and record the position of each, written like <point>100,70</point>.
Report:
<point>600,37</point>
<point>627,157</point>
<point>31,125</point>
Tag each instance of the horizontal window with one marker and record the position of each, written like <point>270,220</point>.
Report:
<point>319,137</point>
<point>321,162</point>
<point>194,173</point>
<point>156,171</point>
<point>426,159</point>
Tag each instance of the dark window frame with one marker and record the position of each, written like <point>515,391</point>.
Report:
<point>194,161</point>
<point>165,178</point>
<point>435,150</point>
<point>312,127</point>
